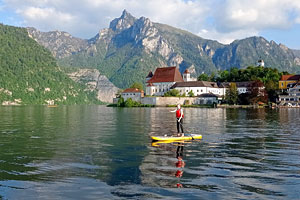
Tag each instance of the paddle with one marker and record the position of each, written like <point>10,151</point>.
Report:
<point>187,133</point>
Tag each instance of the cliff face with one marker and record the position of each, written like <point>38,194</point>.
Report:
<point>127,50</point>
<point>94,81</point>
<point>61,44</point>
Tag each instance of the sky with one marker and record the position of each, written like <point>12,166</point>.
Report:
<point>221,20</point>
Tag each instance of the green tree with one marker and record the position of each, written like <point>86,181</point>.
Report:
<point>121,102</point>
<point>129,103</point>
<point>203,77</point>
<point>137,85</point>
<point>172,93</point>
<point>231,95</point>
<point>191,93</point>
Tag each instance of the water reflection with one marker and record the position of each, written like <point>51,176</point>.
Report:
<point>89,151</point>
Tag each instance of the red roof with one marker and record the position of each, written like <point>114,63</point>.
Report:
<point>166,74</point>
<point>290,77</point>
<point>132,90</point>
<point>149,84</point>
<point>186,71</point>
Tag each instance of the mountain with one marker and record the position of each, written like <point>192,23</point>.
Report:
<point>127,50</point>
<point>96,82</point>
<point>29,73</point>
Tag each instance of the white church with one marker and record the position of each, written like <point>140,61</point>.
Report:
<point>167,78</point>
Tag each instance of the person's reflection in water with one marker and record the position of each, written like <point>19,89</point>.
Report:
<point>179,164</point>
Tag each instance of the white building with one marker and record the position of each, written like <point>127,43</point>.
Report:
<point>198,88</point>
<point>162,80</point>
<point>260,63</point>
<point>187,76</point>
<point>293,96</point>
<point>207,99</point>
<point>133,93</point>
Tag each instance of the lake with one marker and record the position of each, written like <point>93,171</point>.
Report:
<point>97,152</point>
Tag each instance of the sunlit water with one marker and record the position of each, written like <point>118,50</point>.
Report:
<point>96,152</point>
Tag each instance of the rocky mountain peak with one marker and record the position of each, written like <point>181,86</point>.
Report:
<point>142,28</point>
<point>283,47</point>
<point>60,43</point>
<point>124,22</point>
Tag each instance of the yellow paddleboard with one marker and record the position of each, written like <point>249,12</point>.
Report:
<point>174,138</point>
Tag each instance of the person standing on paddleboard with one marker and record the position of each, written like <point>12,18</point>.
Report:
<point>179,117</point>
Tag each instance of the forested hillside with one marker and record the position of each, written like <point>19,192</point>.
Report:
<point>29,73</point>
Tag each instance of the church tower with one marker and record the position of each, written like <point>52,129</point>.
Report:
<point>186,76</point>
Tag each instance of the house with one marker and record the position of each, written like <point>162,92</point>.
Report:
<point>198,88</point>
<point>162,80</point>
<point>288,79</point>
<point>293,96</point>
<point>246,86</point>
<point>133,93</point>
<point>207,98</point>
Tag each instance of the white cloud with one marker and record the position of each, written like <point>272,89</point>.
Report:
<point>84,18</point>
<point>227,38</point>
<point>256,14</point>
<point>224,20</point>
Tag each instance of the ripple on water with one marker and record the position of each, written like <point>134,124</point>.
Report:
<point>88,152</point>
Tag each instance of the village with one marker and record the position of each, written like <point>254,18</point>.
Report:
<point>193,92</point>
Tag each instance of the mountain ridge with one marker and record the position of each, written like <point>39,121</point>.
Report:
<point>131,47</point>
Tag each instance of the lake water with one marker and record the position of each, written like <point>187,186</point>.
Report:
<point>96,152</point>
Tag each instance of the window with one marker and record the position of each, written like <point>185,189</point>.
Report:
<point>201,90</point>
<point>197,90</point>
<point>155,90</point>
<point>159,90</point>
<point>187,90</point>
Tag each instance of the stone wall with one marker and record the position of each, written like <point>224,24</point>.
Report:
<point>165,101</point>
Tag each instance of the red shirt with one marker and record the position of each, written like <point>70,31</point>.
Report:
<point>178,113</point>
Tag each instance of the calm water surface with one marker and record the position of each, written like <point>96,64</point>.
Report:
<point>95,152</point>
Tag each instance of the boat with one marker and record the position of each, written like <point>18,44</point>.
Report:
<point>176,138</point>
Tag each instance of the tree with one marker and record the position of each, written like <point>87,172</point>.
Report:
<point>129,103</point>
<point>172,93</point>
<point>121,102</point>
<point>191,93</point>
<point>137,85</point>
<point>271,88</point>
<point>231,95</point>
<point>257,93</point>
<point>203,77</point>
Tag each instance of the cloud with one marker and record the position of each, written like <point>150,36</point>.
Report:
<point>222,20</point>
<point>85,18</point>
<point>227,38</point>
<point>256,14</point>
